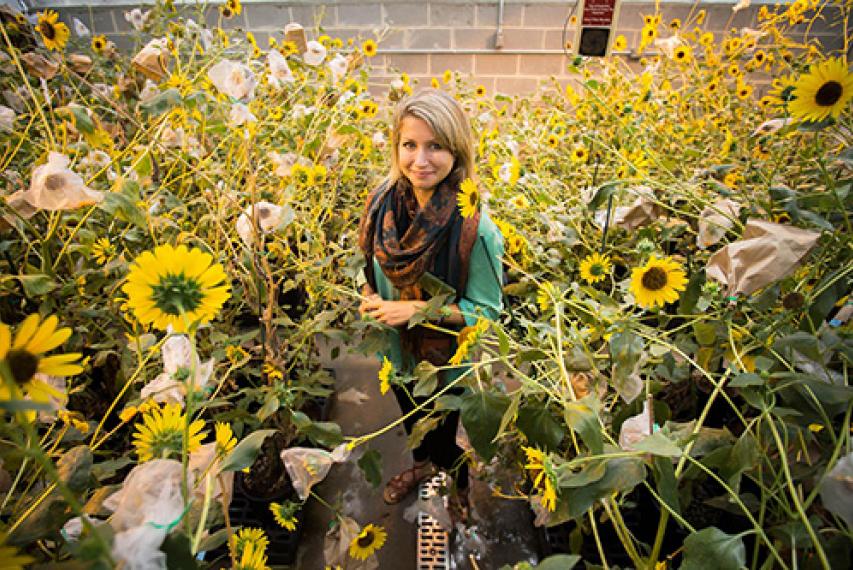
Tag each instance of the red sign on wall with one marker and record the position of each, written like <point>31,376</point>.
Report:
<point>598,13</point>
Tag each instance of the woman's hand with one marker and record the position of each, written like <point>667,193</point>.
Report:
<point>391,313</point>
<point>369,299</point>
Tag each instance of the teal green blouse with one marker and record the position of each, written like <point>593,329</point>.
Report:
<point>482,292</point>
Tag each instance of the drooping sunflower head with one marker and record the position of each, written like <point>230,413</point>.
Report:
<point>823,92</point>
<point>369,540</point>
<point>285,515</point>
<point>161,433</point>
<point>658,282</point>
<point>595,268</point>
<point>469,198</point>
<point>541,475</point>
<point>175,286</point>
<point>385,375</point>
<point>249,537</point>
<point>23,357</point>
<point>53,32</point>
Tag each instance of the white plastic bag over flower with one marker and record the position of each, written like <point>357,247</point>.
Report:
<point>240,115</point>
<point>280,72</point>
<point>308,466</point>
<point>137,18</point>
<point>203,462</point>
<point>80,28</point>
<point>715,221</point>
<point>668,45</point>
<point>338,67</point>
<point>233,79</point>
<point>269,217</point>
<point>7,118</point>
<point>314,54</point>
<point>178,359</point>
<point>635,429</point>
<point>56,187</point>
<point>146,509</point>
<point>336,545</point>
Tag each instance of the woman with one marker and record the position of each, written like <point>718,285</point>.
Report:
<point>413,232</point>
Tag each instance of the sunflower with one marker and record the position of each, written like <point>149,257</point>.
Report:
<point>545,295</point>
<point>480,91</point>
<point>246,537</point>
<point>469,198</point>
<point>103,251</point>
<point>744,91</point>
<point>447,76</point>
<point>231,8</point>
<point>22,358</point>
<point>369,540</point>
<point>540,473</point>
<point>707,39</point>
<point>579,154</point>
<point>369,48</point>
<point>99,43</point>
<point>161,433</point>
<point>225,440</point>
<point>175,286</point>
<point>385,375</point>
<point>620,43</point>
<point>285,514</point>
<point>595,268</point>
<point>434,83</point>
<point>658,282</point>
<point>683,54</point>
<point>253,557</point>
<point>552,140</point>
<point>54,33</point>
<point>823,92</point>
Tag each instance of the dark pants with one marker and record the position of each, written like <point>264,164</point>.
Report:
<point>439,445</point>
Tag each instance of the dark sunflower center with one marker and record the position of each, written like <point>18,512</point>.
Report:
<point>654,279</point>
<point>828,94</point>
<point>596,270</point>
<point>472,198</point>
<point>47,30</point>
<point>23,364</point>
<point>176,293</point>
<point>366,539</point>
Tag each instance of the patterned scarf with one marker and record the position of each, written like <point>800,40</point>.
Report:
<point>408,241</point>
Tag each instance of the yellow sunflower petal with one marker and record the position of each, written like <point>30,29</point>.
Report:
<point>26,330</point>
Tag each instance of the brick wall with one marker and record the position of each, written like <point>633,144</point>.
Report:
<point>425,38</point>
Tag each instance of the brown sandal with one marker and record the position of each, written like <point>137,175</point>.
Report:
<point>401,485</point>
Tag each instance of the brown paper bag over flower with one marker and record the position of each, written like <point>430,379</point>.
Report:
<point>80,63</point>
<point>715,221</point>
<point>642,212</point>
<point>766,253</point>
<point>152,60</point>
<point>40,66</point>
<point>54,186</point>
<point>294,32</point>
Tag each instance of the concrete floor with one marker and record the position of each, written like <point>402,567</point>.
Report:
<point>501,531</point>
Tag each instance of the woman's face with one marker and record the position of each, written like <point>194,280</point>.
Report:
<point>421,158</point>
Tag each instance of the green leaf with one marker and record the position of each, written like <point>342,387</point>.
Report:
<point>626,348</point>
<point>481,416</point>
<point>705,333</point>
<point>327,434</point>
<point>746,379</point>
<point>658,444</point>
<point>530,356</point>
<point>559,562</point>
<point>712,549</point>
<point>213,541</point>
<point>622,474</point>
<point>582,417</point>
<point>80,117</point>
<point>540,427</point>
<point>803,342</point>
<point>75,468</point>
<point>36,285</point>
<point>687,304</point>
<point>123,204</point>
<point>602,193</point>
<point>667,485</point>
<point>371,465</point>
<point>591,471</point>
<point>178,551</point>
<point>245,452</point>
<point>503,341</point>
<point>422,427</point>
<point>161,103</point>
<point>427,379</point>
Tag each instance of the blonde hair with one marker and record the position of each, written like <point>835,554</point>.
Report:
<point>449,124</point>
